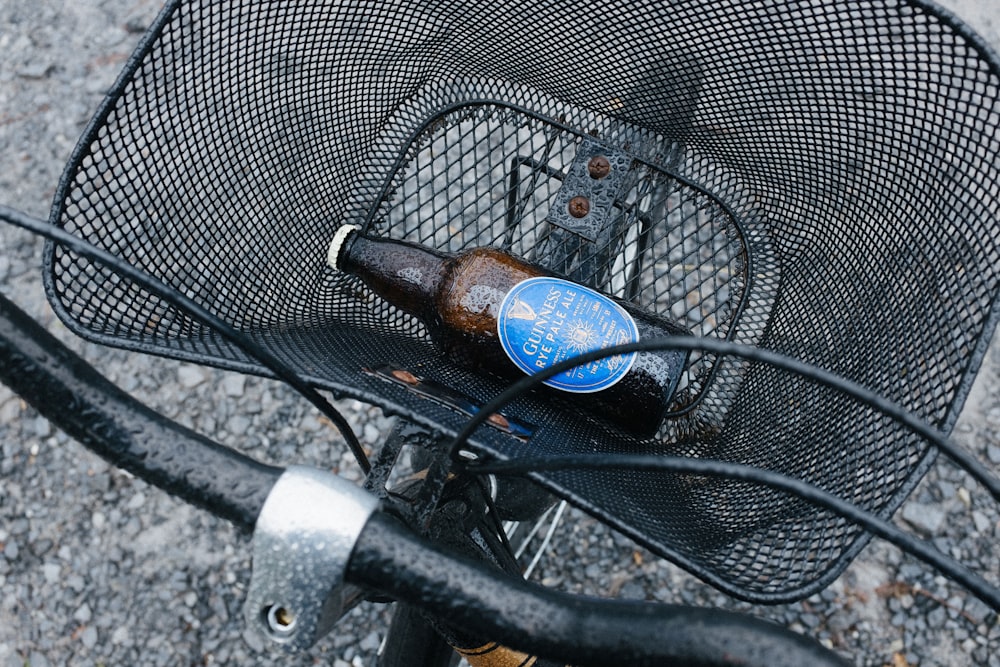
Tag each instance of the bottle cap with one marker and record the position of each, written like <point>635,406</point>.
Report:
<point>337,245</point>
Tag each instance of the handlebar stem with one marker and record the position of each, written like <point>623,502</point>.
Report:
<point>301,545</point>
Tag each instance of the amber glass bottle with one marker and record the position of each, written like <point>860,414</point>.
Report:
<point>487,309</point>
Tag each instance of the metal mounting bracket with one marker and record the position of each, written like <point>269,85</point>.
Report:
<point>586,200</point>
<point>585,215</point>
<point>302,541</point>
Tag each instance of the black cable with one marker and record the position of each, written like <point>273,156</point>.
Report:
<point>281,370</point>
<point>948,566</point>
<point>807,491</point>
<point>892,410</point>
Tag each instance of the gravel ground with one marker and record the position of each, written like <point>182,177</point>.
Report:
<point>96,568</point>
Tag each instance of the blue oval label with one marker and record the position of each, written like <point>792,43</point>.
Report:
<point>544,321</point>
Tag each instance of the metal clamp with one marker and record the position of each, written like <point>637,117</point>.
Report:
<point>302,541</point>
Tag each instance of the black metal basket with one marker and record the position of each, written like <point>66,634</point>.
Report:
<point>818,178</point>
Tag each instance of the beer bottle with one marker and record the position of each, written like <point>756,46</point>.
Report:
<point>489,310</point>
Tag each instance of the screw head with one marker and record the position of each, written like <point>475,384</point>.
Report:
<point>579,206</point>
<point>598,167</point>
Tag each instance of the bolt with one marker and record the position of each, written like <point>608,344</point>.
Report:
<point>579,207</point>
<point>280,620</point>
<point>598,167</point>
<point>285,618</point>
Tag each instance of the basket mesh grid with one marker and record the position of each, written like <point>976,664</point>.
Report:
<point>815,177</point>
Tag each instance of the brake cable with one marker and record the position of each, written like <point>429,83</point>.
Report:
<point>809,492</point>
<point>715,346</point>
<point>281,370</point>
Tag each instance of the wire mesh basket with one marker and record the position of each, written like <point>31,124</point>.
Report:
<point>817,178</point>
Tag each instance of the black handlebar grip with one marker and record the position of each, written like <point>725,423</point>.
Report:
<point>71,394</point>
<point>577,630</point>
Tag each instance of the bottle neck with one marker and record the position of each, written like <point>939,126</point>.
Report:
<point>406,275</point>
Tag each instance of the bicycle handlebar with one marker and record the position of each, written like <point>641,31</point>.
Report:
<point>581,631</point>
<point>387,558</point>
